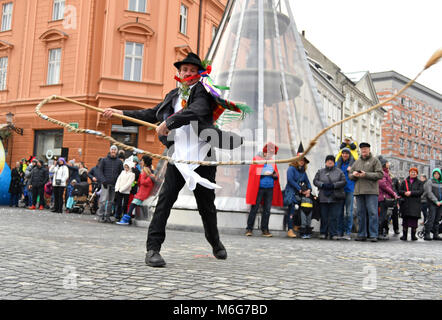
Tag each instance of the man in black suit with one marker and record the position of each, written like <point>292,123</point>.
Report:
<point>189,108</point>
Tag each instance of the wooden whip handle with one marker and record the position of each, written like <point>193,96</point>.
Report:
<point>140,122</point>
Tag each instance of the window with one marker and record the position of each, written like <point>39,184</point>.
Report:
<point>133,61</point>
<point>137,5</point>
<point>48,140</point>
<point>183,19</point>
<point>401,145</point>
<point>54,66</point>
<point>58,10</point>
<point>7,16</point>
<point>126,135</point>
<point>3,72</point>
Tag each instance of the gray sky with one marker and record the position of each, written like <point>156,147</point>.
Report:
<point>375,35</point>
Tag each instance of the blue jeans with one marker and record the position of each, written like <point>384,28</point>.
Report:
<point>345,217</point>
<point>367,205</point>
<point>329,218</point>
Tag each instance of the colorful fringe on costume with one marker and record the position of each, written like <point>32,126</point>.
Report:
<point>230,110</point>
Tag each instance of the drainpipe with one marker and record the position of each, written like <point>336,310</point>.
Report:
<point>199,27</point>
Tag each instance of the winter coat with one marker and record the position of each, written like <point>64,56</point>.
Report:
<point>295,177</point>
<point>411,206</point>
<point>333,176</point>
<point>94,173</point>
<point>39,177</point>
<point>73,174</point>
<point>60,173</point>
<point>386,187</point>
<point>433,188</point>
<point>109,169</point>
<point>373,170</point>
<point>145,186</point>
<point>15,185</point>
<point>255,172</point>
<point>28,173</point>
<point>350,186</point>
<point>124,182</point>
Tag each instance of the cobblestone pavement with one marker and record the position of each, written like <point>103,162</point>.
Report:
<point>46,255</point>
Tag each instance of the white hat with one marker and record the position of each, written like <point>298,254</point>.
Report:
<point>113,147</point>
<point>348,136</point>
<point>129,162</point>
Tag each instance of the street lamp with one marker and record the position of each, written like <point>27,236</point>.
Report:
<point>9,117</point>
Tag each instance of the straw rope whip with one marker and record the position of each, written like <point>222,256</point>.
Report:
<point>435,58</point>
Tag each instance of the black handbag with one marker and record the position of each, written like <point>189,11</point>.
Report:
<point>339,194</point>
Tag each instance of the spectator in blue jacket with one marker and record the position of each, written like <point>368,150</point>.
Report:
<point>345,217</point>
<point>296,174</point>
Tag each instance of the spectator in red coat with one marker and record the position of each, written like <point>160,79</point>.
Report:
<point>145,185</point>
<point>263,187</point>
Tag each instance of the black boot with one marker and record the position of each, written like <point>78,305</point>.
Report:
<point>413,234</point>
<point>154,259</point>
<point>405,234</point>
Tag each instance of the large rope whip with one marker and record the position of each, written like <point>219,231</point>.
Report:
<point>432,61</point>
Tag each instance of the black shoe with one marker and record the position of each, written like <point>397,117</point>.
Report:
<point>396,232</point>
<point>436,237</point>
<point>154,259</point>
<point>54,210</point>
<point>360,239</point>
<point>220,252</point>
<point>373,239</point>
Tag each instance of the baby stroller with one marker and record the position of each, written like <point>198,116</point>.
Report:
<point>80,194</point>
<point>421,232</point>
<point>92,200</point>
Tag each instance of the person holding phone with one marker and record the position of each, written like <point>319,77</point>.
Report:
<point>366,172</point>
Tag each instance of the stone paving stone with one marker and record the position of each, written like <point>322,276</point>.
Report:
<point>34,266</point>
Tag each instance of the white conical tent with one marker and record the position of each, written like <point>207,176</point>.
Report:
<point>257,52</point>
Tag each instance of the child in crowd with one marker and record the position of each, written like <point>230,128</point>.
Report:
<point>145,185</point>
<point>69,193</point>
<point>48,193</point>
<point>306,208</point>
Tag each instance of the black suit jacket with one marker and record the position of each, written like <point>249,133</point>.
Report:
<point>199,113</point>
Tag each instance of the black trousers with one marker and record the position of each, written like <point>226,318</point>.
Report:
<point>38,191</point>
<point>205,199</point>
<point>58,199</point>
<point>121,201</point>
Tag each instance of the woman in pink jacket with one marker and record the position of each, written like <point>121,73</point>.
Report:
<point>386,195</point>
<point>146,183</point>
